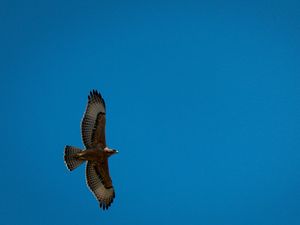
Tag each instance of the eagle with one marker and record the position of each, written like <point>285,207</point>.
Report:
<point>95,153</point>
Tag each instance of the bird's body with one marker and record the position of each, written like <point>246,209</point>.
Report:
<point>96,153</point>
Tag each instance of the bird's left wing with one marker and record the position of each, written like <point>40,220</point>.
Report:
<point>93,122</point>
<point>99,182</point>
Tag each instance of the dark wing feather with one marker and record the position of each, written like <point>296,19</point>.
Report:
<point>99,182</point>
<point>93,122</point>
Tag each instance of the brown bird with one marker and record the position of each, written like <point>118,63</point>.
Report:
<point>96,153</point>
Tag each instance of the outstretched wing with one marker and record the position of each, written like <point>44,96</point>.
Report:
<point>99,182</point>
<point>93,122</point>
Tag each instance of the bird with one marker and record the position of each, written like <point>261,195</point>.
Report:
<point>95,153</point>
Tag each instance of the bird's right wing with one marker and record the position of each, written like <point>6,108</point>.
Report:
<point>100,184</point>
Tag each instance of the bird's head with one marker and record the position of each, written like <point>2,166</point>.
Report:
<point>110,152</point>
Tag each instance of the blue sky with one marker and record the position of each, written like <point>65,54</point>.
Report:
<point>202,103</point>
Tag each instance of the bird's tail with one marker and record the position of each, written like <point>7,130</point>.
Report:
<point>71,159</point>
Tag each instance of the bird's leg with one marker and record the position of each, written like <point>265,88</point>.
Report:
<point>89,154</point>
<point>80,155</point>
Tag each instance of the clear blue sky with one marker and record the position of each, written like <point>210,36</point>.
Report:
<point>202,103</point>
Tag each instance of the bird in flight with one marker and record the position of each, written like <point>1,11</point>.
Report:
<point>96,152</point>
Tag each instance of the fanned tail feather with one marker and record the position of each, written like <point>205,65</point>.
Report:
<point>70,160</point>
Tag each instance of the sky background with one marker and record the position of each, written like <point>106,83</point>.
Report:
<point>202,103</point>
